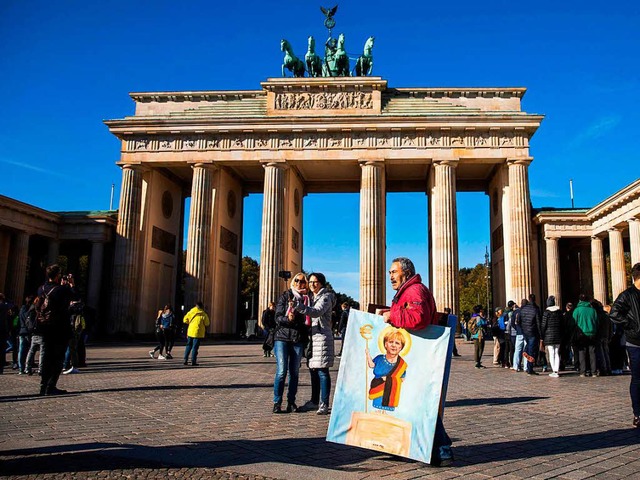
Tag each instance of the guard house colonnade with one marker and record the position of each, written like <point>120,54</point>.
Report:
<point>296,136</point>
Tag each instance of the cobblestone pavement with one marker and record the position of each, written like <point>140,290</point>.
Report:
<point>133,417</point>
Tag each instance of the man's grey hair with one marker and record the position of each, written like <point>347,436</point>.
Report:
<point>407,266</point>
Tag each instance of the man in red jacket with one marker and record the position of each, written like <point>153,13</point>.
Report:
<point>414,308</point>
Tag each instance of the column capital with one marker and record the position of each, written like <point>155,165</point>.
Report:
<point>450,162</point>
<point>551,239</point>
<point>371,163</point>
<point>136,167</point>
<point>596,237</point>
<point>526,161</point>
<point>614,229</point>
<point>280,165</point>
<point>633,219</point>
<point>208,166</point>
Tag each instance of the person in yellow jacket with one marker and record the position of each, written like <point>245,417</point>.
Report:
<point>198,320</point>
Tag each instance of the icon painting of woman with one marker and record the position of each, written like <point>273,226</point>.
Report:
<point>389,369</point>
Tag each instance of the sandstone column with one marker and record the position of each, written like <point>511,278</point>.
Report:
<point>519,272</point>
<point>199,236</point>
<point>553,270</point>
<point>599,270</point>
<point>372,233</point>
<point>5,244</point>
<point>127,251</point>
<point>272,235</point>
<point>95,274</point>
<point>53,251</point>
<point>17,267</point>
<point>444,236</point>
<point>616,251</point>
<point>634,240</point>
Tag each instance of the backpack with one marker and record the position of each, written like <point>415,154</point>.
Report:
<point>472,326</point>
<point>78,323</point>
<point>44,314</point>
<point>30,322</point>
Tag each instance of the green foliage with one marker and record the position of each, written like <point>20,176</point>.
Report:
<point>249,285</point>
<point>473,288</point>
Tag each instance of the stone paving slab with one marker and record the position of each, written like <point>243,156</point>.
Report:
<point>129,416</point>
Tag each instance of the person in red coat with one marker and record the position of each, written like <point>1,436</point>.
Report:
<point>413,308</point>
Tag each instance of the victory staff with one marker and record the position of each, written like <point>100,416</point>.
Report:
<point>414,308</point>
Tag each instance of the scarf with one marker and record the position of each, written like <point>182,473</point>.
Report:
<point>301,297</point>
<point>389,389</point>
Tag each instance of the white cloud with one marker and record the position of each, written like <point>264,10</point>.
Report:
<point>597,129</point>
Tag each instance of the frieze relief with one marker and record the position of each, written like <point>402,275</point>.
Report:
<point>328,140</point>
<point>324,101</point>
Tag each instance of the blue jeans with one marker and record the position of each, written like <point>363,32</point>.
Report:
<point>517,352</point>
<point>634,388</point>
<point>288,356</point>
<point>25,343</point>
<point>193,344</point>
<point>320,385</point>
<point>532,349</point>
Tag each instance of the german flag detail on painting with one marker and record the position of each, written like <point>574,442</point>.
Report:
<point>389,389</point>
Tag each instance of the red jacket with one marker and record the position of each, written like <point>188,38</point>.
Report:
<point>413,306</point>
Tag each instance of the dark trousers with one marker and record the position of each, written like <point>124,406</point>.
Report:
<point>169,339</point>
<point>478,350</point>
<point>161,341</point>
<point>617,353</point>
<point>508,351</point>
<point>603,357</point>
<point>634,388</point>
<point>587,355</point>
<point>440,439</point>
<point>51,359</point>
<point>3,346</point>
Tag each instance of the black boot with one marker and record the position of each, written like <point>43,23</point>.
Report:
<point>277,408</point>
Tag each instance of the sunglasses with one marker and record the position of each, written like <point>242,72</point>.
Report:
<point>299,280</point>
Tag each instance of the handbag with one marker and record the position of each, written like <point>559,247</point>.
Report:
<point>308,350</point>
<point>269,341</point>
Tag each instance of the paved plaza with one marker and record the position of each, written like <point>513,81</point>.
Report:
<point>133,417</point>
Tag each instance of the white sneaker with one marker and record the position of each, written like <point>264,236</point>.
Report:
<point>161,357</point>
<point>71,370</point>
<point>554,375</point>
<point>151,353</point>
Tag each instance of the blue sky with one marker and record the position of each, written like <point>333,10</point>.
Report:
<point>66,66</point>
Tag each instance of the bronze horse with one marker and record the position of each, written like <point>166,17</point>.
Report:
<point>314,64</point>
<point>364,64</point>
<point>290,61</point>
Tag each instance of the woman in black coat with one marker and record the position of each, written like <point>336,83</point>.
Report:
<point>551,333</point>
<point>290,338</point>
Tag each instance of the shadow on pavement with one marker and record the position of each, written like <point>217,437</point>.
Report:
<point>149,388</point>
<point>474,402</point>
<point>110,456</point>
<point>100,456</point>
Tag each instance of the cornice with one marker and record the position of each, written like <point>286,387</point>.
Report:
<point>621,197</point>
<point>464,92</point>
<point>29,210</point>
<point>195,96</point>
<point>483,120</point>
<point>289,83</point>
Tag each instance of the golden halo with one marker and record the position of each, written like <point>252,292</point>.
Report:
<point>405,334</point>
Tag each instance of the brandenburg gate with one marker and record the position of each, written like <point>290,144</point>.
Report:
<point>296,136</point>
